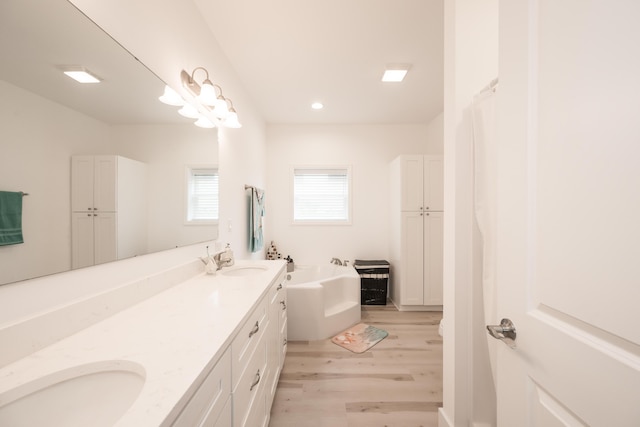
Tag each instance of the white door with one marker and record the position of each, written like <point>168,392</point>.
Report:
<point>105,237</point>
<point>82,183</point>
<point>433,261</point>
<point>411,183</point>
<point>412,291</point>
<point>82,243</point>
<point>568,248</point>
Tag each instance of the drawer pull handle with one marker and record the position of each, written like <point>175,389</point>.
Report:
<point>255,329</point>
<point>279,287</point>
<point>284,305</point>
<point>256,381</point>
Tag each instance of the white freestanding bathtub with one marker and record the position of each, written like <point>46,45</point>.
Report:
<point>322,300</point>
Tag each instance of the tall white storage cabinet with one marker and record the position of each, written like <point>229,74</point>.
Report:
<point>417,212</point>
<point>108,204</point>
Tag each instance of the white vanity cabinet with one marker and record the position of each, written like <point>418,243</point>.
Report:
<point>277,340</point>
<point>249,364</point>
<point>417,214</point>
<point>239,390</point>
<point>258,358</point>
<point>210,405</point>
<point>108,204</point>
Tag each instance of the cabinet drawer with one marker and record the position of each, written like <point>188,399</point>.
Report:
<point>248,396</point>
<point>208,402</point>
<point>245,343</point>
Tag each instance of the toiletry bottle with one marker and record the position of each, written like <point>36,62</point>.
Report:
<point>228,254</point>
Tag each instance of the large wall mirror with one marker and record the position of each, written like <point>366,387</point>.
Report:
<point>46,118</point>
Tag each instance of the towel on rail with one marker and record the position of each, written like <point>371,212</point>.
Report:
<point>10,218</point>
<point>256,212</point>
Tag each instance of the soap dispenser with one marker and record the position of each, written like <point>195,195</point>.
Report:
<point>228,255</point>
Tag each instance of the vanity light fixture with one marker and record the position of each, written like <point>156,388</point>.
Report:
<point>171,97</point>
<point>189,111</point>
<point>231,120</point>
<point>81,74</point>
<point>395,73</point>
<point>204,122</point>
<point>208,105</point>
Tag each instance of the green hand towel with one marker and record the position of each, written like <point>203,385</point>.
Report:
<point>10,218</point>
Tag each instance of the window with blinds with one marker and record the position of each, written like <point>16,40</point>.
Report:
<point>321,195</point>
<point>202,195</point>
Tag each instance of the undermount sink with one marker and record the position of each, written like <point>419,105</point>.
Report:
<point>246,270</point>
<point>95,394</point>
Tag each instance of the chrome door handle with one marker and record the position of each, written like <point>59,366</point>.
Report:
<point>505,332</point>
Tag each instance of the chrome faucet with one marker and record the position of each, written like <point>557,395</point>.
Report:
<point>335,261</point>
<point>222,260</point>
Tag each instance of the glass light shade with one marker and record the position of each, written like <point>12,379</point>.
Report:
<point>207,93</point>
<point>189,111</point>
<point>204,122</point>
<point>232,120</point>
<point>171,97</point>
<point>221,109</point>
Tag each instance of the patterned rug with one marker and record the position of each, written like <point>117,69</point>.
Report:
<point>360,338</point>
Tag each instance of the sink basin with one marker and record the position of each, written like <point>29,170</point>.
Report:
<point>95,394</point>
<point>244,270</point>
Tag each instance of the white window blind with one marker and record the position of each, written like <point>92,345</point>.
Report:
<point>321,195</point>
<point>202,198</point>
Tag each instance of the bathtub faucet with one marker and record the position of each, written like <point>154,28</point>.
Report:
<point>335,261</point>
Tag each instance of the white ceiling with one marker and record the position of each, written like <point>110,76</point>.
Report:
<point>37,37</point>
<point>290,53</point>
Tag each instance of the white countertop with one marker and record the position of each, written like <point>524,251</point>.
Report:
<point>176,336</point>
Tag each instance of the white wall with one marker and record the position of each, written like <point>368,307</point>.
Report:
<point>37,145</point>
<point>368,149</point>
<point>167,150</point>
<point>471,62</point>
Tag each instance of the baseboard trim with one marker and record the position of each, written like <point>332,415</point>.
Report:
<point>443,420</point>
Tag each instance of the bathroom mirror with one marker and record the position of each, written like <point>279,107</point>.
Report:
<point>46,118</point>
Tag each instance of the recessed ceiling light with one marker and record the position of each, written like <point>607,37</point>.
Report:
<point>81,74</point>
<point>317,106</point>
<point>395,73</point>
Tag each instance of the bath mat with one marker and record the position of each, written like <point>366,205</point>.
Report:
<point>359,338</point>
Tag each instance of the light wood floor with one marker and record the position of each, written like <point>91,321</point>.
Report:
<point>397,383</point>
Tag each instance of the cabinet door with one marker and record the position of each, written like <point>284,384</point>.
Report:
<point>273,342</point>
<point>82,183</point>
<point>412,292</point>
<point>282,336</point>
<point>433,183</point>
<point>105,181</point>
<point>411,183</point>
<point>105,239</point>
<point>433,250</point>
<point>224,420</point>
<point>82,240</point>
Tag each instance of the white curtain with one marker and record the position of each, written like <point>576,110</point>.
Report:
<point>484,146</point>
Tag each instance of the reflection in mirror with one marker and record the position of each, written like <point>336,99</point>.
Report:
<point>46,118</point>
